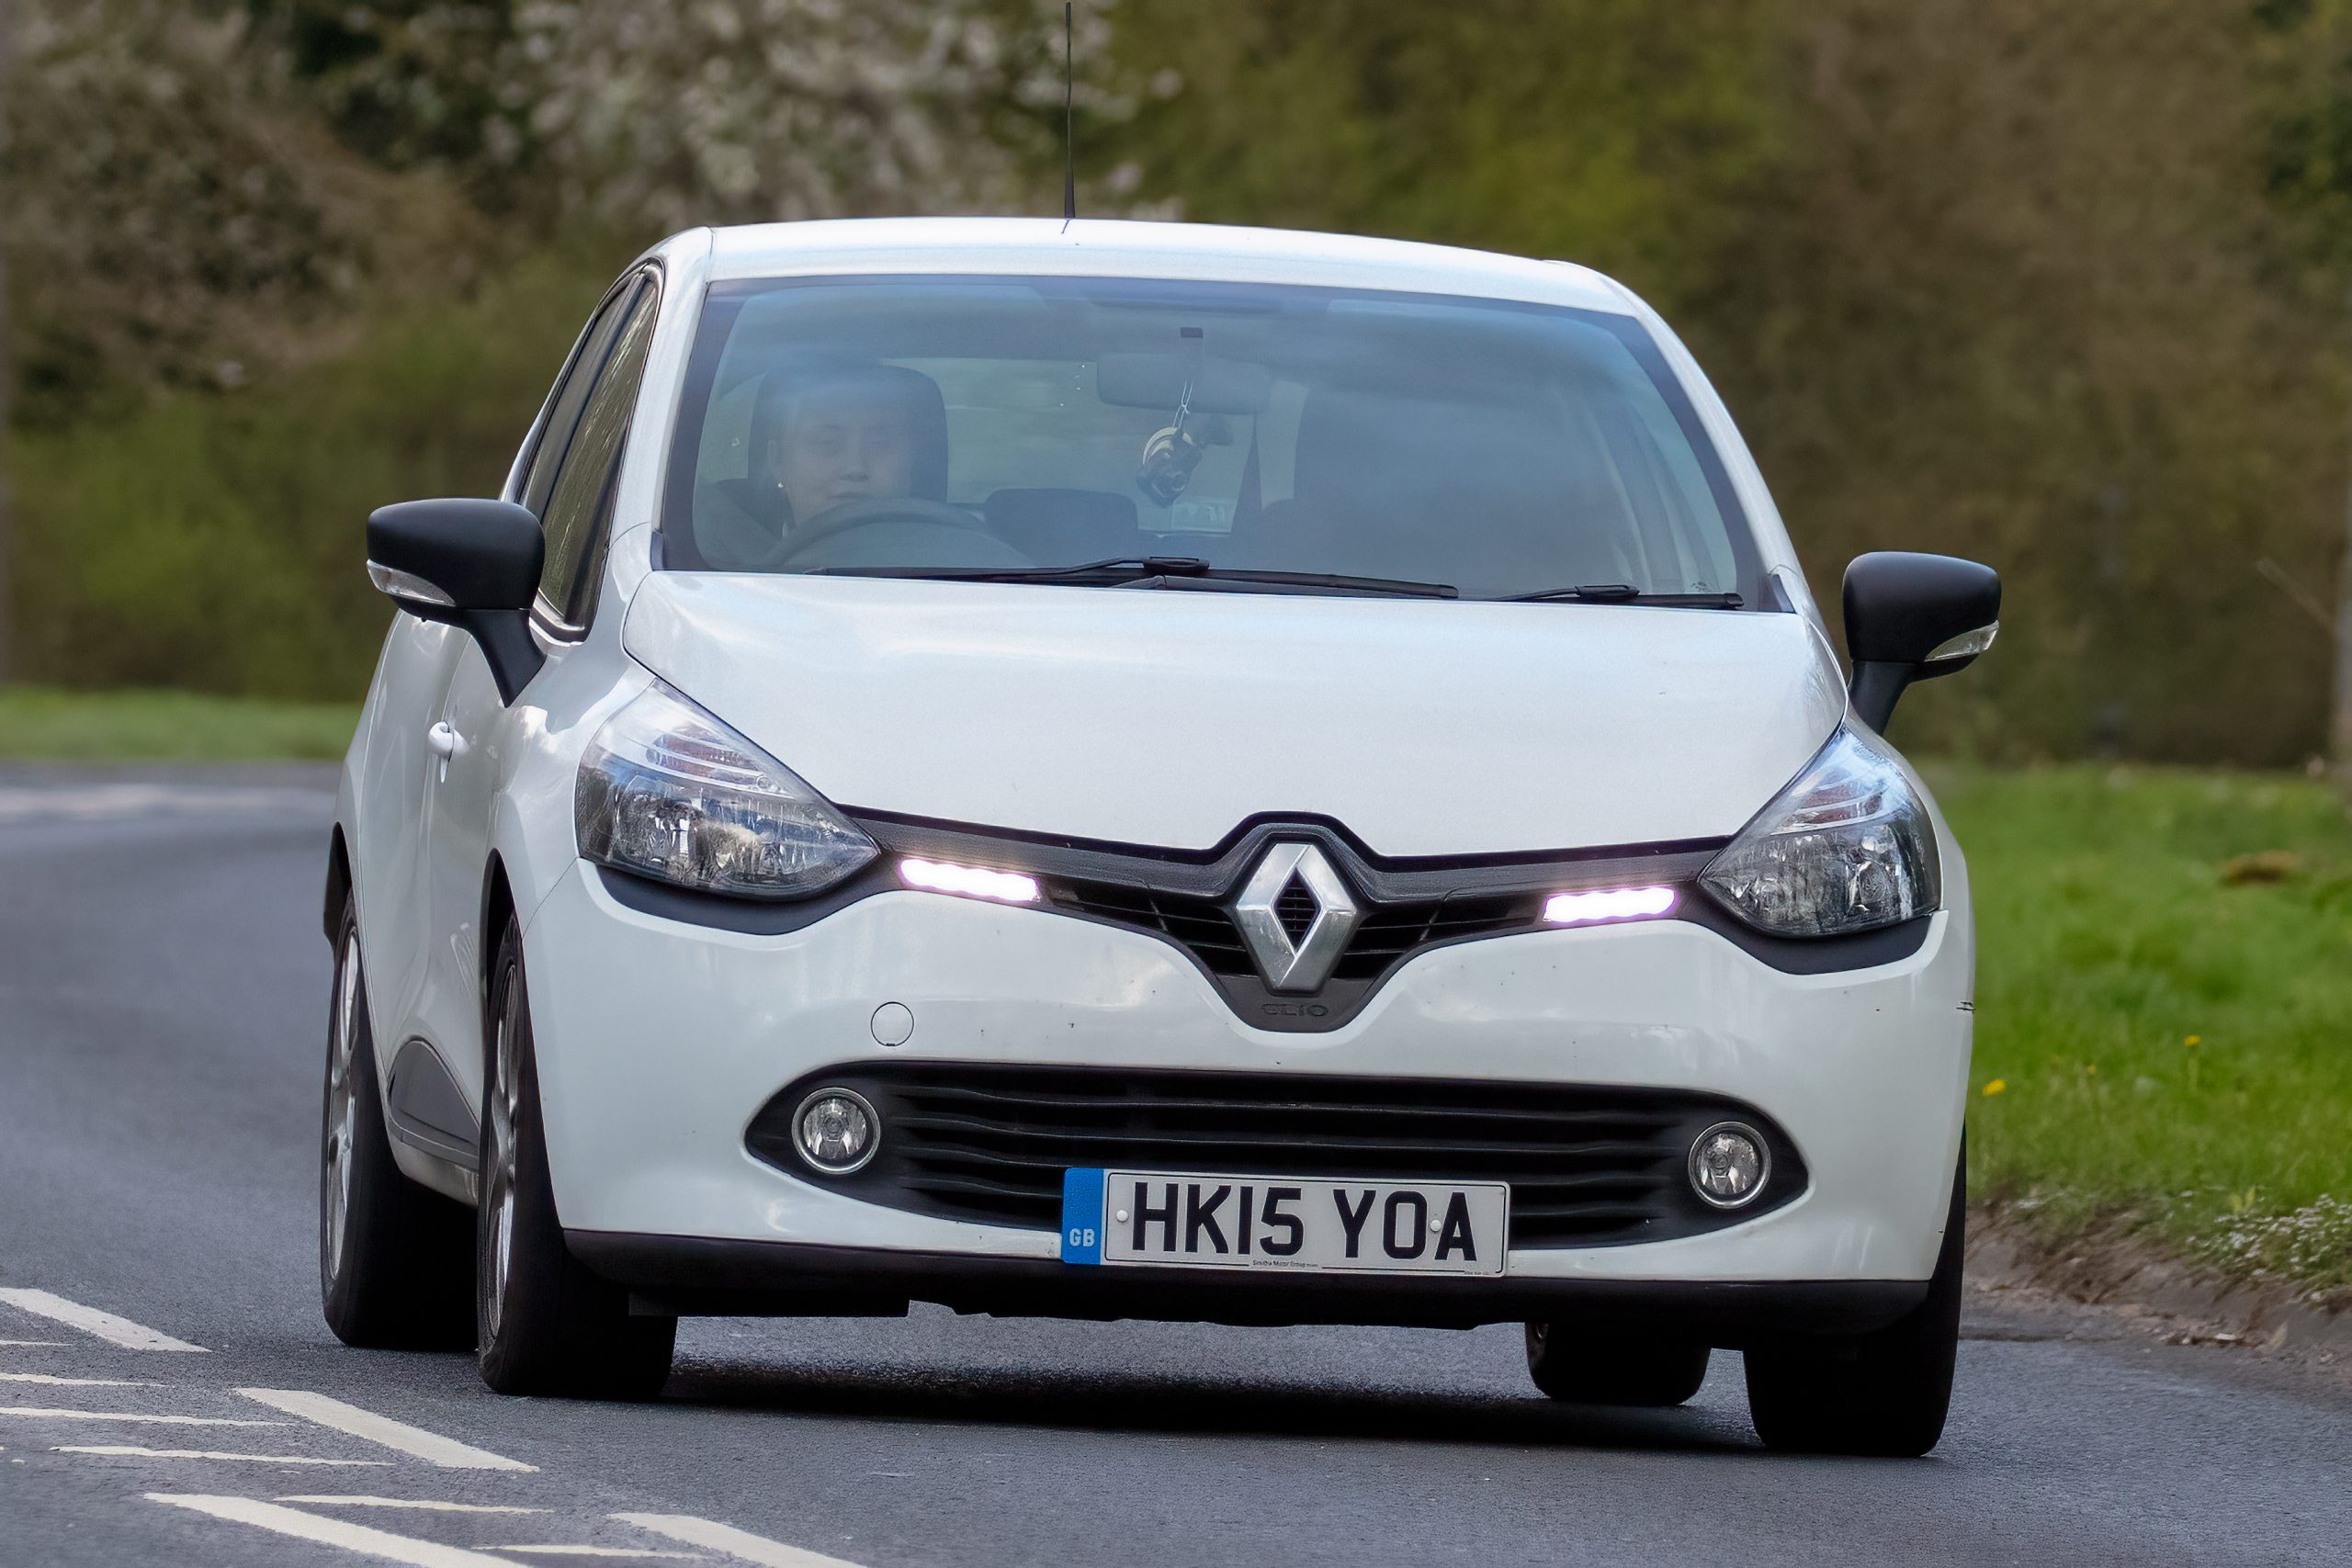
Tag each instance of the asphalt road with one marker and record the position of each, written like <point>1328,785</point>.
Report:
<point>162,992</point>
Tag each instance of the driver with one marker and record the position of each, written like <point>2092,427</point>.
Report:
<point>826,434</point>
<point>846,438</point>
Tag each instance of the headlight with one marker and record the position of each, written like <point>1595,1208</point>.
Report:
<point>666,791</point>
<point>1846,848</point>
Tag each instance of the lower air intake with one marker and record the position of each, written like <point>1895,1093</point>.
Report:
<point>1588,1165</point>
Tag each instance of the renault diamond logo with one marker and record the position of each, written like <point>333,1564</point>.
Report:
<point>1304,963</point>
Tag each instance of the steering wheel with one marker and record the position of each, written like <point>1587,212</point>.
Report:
<point>867,512</point>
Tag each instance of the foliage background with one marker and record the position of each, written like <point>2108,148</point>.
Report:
<point>2058,284</point>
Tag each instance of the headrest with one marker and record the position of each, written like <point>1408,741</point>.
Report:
<point>1389,453</point>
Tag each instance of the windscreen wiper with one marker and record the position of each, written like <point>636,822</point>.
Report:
<point>1139,571</point>
<point>1626,593</point>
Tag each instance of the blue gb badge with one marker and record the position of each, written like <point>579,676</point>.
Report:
<point>1082,1216</point>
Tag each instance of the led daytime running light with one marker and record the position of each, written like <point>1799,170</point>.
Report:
<point>969,880</point>
<point>1608,903</point>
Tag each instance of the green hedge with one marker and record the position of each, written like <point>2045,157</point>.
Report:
<point>214,542</point>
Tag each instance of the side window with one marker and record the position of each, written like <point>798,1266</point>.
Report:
<point>563,406</point>
<point>579,505</point>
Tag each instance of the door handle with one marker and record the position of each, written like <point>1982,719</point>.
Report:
<point>444,742</point>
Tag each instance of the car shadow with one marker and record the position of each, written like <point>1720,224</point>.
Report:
<point>1118,1403</point>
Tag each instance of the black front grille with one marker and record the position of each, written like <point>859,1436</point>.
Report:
<point>1296,910</point>
<point>1387,934</point>
<point>1391,932</point>
<point>1200,926</point>
<point>1588,1166</point>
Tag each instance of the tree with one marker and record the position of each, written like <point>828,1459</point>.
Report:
<point>2308,62</point>
<point>1614,132</point>
<point>1994,277</point>
<point>176,215</point>
<point>2014,291</point>
<point>649,118</point>
<point>7,366</point>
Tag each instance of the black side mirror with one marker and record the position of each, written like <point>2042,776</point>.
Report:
<point>1912,617</point>
<point>470,564</point>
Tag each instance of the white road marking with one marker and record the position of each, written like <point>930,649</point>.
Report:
<point>340,1500</point>
<point>431,1446</point>
<point>49,1343</point>
<point>47,1380</point>
<point>126,1450</point>
<point>104,1325</point>
<point>360,1539</point>
<point>43,1413</point>
<point>604,1552</point>
<point>735,1543</point>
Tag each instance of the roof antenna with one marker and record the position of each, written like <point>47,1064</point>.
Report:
<point>1069,143</point>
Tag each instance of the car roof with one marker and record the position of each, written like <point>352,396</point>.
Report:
<point>1094,247</point>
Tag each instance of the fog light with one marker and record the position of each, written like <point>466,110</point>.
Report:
<point>1729,1163</point>
<point>836,1131</point>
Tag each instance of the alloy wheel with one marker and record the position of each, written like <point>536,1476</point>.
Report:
<point>499,1200</point>
<point>342,1108</point>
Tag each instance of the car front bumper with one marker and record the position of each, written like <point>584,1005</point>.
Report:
<point>750,1279</point>
<point>659,1041</point>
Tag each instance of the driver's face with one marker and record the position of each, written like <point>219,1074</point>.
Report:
<point>844,446</point>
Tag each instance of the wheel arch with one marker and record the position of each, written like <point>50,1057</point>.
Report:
<point>338,882</point>
<point>497,908</point>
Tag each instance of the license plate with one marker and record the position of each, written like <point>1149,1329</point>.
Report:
<point>1284,1221</point>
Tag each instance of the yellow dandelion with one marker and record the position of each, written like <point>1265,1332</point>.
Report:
<point>2092,1069</point>
<point>2192,1041</point>
<point>1994,1086</point>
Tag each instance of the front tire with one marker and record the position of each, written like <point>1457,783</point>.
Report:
<point>1603,1370</point>
<point>395,1271</point>
<point>546,1325</point>
<point>1883,1393</point>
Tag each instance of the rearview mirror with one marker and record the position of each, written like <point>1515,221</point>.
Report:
<point>1913,618</point>
<point>466,563</point>
<point>1158,381</point>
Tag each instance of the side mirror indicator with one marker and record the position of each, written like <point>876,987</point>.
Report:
<point>1913,618</point>
<point>1966,646</point>
<point>406,587</point>
<point>466,563</point>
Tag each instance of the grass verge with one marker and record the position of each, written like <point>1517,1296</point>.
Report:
<point>2164,1017</point>
<point>44,722</point>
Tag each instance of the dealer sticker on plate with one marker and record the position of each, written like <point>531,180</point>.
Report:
<point>1284,1221</point>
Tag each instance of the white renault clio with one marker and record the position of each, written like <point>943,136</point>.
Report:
<point>1140,770</point>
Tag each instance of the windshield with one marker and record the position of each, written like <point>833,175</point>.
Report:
<point>995,427</point>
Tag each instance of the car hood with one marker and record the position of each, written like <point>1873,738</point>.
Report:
<point>1169,717</point>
